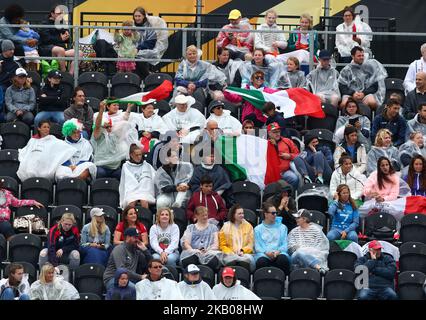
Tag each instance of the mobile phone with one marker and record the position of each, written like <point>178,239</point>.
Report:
<point>353,121</point>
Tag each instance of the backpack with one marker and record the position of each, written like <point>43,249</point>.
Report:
<point>30,224</point>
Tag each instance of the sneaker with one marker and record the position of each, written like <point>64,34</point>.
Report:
<point>322,271</point>
<point>319,180</point>
<point>307,180</point>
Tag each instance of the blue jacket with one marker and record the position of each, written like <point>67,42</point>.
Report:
<point>416,189</point>
<point>270,238</point>
<point>344,217</point>
<point>28,34</point>
<point>397,126</point>
<point>381,271</point>
<point>120,293</point>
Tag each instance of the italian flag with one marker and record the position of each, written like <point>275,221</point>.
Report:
<point>248,157</point>
<point>141,98</point>
<point>291,102</point>
<point>398,208</point>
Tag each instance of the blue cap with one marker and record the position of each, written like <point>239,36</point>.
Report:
<point>131,232</point>
<point>324,54</point>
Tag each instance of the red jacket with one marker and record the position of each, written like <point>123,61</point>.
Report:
<point>286,145</point>
<point>213,202</point>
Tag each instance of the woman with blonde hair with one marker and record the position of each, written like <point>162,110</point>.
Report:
<point>50,286</point>
<point>164,237</point>
<point>63,242</point>
<point>20,98</point>
<point>383,148</point>
<point>96,239</point>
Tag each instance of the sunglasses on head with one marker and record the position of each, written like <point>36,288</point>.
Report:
<point>259,78</point>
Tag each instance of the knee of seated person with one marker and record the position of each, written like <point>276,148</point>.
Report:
<point>75,255</point>
<point>43,253</point>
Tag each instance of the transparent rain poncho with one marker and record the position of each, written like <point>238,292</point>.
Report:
<point>324,81</point>
<point>271,68</point>
<point>161,44</point>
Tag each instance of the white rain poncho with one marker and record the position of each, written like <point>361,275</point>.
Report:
<point>311,241</point>
<point>42,157</point>
<point>151,124</point>
<point>182,174</point>
<point>236,292</point>
<point>191,118</point>
<point>271,68</point>
<point>324,81</point>
<point>341,123</point>
<point>136,183</point>
<point>206,238</point>
<point>227,123</point>
<point>199,71</point>
<point>345,42</point>
<point>301,55</point>
<point>230,70</point>
<point>376,152</point>
<point>163,289</point>
<point>111,148</point>
<point>200,291</point>
<point>84,154</point>
<point>161,44</point>
<point>59,289</point>
<point>360,77</point>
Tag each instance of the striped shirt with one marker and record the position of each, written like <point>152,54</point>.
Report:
<point>311,237</point>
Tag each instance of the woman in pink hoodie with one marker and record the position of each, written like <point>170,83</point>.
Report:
<point>249,112</point>
<point>382,184</point>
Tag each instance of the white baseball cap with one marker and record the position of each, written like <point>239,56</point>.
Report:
<point>21,72</point>
<point>97,212</point>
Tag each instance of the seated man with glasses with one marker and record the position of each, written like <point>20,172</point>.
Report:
<point>270,241</point>
<point>157,287</point>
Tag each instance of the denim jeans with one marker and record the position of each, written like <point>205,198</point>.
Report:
<point>335,234</point>
<point>281,261</point>
<point>291,178</point>
<point>319,165</point>
<point>53,116</point>
<point>8,294</point>
<point>26,117</point>
<point>103,172</point>
<point>377,294</point>
<point>172,258</point>
<point>299,260</point>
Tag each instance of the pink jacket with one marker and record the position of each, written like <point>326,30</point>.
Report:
<point>389,192</point>
<point>248,108</point>
<point>11,201</point>
<point>241,39</point>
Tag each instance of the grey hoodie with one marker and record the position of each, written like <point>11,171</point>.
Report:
<point>19,99</point>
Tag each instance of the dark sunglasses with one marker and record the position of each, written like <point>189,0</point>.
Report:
<point>157,267</point>
<point>259,78</point>
<point>218,107</point>
<point>273,212</point>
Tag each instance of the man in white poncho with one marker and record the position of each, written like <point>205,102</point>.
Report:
<point>230,288</point>
<point>157,287</point>
<point>308,244</point>
<point>229,125</point>
<point>193,287</point>
<point>50,286</point>
<point>80,165</point>
<point>137,180</point>
<point>42,157</point>
<point>185,120</point>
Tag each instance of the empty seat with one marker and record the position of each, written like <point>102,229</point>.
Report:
<point>36,81</point>
<point>39,189</point>
<point>208,275</point>
<point>380,226</point>
<point>340,259</point>
<point>111,217</point>
<point>413,228</point>
<point>125,84</point>
<point>170,272</point>
<point>71,191</point>
<point>145,216</point>
<point>10,184</point>
<point>251,217</point>
<point>105,192</point>
<point>199,106</point>
<point>9,163</point>
<point>269,282</point>
<point>25,247</point>
<point>304,283</point>
<point>339,284</point>
<point>394,85</point>
<point>89,278</point>
<point>310,199</point>
<point>412,257</point>
<point>57,213</point>
<point>28,268</point>
<point>247,194</point>
<point>163,107</point>
<point>56,130</point>
<point>94,83</point>
<point>89,296</point>
<point>242,274</point>
<point>329,122</point>
<point>67,82</point>
<point>3,248</point>
<point>38,212</point>
<point>180,219</point>
<point>93,102</point>
<point>319,218</point>
<point>15,135</point>
<point>410,285</point>
<point>153,80</point>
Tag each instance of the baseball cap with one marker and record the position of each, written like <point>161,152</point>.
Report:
<point>273,126</point>
<point>374,245</point>
<point>131,232</point>
<point>21,72</point>
<point>302,213</point>
<point>234,14</point>
<point>214,104</point>
<point>324,54</point>
<point>54,74</point>
<point>192,268</point>
<point>96,212</point>
<point>228,272</point>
